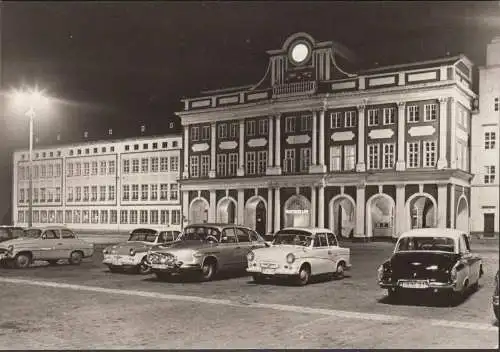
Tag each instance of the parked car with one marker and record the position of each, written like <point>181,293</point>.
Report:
<point>50,243</point>
<point>132,253</point>
<point>433,260</point>
<point>495,297</point>
<point>299,253</point>
<point>9,232</point>
<point>206,249</point>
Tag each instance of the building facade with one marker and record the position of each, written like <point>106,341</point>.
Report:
<point>485,155</point>
<point>367,154</point>
<point>106,185</point>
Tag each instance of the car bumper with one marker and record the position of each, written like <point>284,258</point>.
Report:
<point>5,256</point>
<point>174,268</point>
<point>120,260</point>
<point>277,271</point>
<point>422,285</point>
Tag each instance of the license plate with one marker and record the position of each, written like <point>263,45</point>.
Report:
<point>267,271</point>
<point>414,284</point>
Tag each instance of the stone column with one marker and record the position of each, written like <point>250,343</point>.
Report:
<point>321,206</point>
<point>361,166</point>
<point>277,210</point>
<point>321,137</point>
<point>185,171</point>
<point>314,138</point>
<point>401,220</point>
<point>277,162</point>
<point>212,207</point>
<point>270,158</point>
<point>360,211</point>
<point>241,207</point>
<point>453,207</point>
<point>312,214</point>
<point>318,163</point>
<point>269,209</point>
<point>443,130</point>
<point>442,205</point>
<point>213,146</point>
<point>453,134</point>
<point>241,145</point>
<point>400,163</point>
<point>185,208</point>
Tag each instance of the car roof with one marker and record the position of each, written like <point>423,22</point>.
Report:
<point>153,229</point>
<point>312,230</point>
<point>217,224</point>
<point>43,228</point>
<point>433,232</point>
<point>10,227</point>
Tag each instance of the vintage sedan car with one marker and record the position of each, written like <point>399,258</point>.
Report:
<point>9,232</point>
<point>496,309</point>
<point>431,260</point>
<point>206,249</point>
<point>132,253</point>
<point>51,243</point>
<point>299,253</point>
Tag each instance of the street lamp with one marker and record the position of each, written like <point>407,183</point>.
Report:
<point>30,99</point>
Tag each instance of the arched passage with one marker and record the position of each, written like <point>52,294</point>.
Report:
<point>380,215</point>
<point>297,209</point>
<point>256,214</point>
<point>198,211</point>
<point>226,210</point>
<point>342,215</point>
<point>462,214</point>
<point>421,211</point>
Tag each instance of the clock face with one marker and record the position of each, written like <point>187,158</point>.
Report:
<point>300,52</point>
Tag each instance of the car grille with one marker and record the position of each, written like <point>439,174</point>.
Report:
<point>156,258</point>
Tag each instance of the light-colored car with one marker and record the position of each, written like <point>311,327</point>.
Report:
<point>132,253</point>
<point>299,253</point>
<point>206,249</point>
<point>51,243</point>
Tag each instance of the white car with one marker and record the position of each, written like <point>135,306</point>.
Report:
<point>299,253</point>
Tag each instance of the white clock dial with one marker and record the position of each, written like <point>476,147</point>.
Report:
<point>300,52</point>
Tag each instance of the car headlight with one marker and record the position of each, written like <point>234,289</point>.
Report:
<point>290,258</point>
<point>197,255</point>
<point>132,252</point>
<point>380,273</point>
<point>453,274</point>
<point>250,256</point>
<point>10,248</point>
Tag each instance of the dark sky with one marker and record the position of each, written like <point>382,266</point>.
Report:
<point>122,64</point>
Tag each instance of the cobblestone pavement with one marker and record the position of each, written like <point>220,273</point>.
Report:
<point>88,307</point>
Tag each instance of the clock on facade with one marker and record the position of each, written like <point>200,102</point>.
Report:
<point>299,53</point>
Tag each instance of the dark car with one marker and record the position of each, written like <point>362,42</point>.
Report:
<point>495,297</point>
<point>10,232</point>
<point>431,260</point>
<point>206,249</point>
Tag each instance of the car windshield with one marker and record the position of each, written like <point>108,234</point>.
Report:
<point>293,237</point>
<point>34,233</point>
<point>200,233</point>
<point>443,244</point>
<point>143,236</point>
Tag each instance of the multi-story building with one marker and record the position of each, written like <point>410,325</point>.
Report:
<point>485,155</point>
<point>370,153</point>
<point>108,185</point>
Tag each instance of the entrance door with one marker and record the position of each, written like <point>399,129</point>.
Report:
<point>489,223</point>
<point>260,218</point>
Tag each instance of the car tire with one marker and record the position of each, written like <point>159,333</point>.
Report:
<point>208,271</point>
<point>75,258</point>
<point>340,272</point>
<point>53,262</point>
<point>162,276</point>
<point>143,268</point>
<point>304,275</point>
<point>22,261</point>
<point>258,278</point>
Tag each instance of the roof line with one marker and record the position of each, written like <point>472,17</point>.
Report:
<point>381,68</point>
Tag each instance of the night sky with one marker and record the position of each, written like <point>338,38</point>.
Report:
<point>123,64</point>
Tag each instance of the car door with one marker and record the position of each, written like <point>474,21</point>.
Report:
<point>473,260</point>
<point>244,245</point>
<point>333,250</point>
<point>229,248</point>
<point>68,243</point>
<point>320,257</point>
<point>49,241</point>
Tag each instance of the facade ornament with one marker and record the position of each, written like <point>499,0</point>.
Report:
<point>401,104</point>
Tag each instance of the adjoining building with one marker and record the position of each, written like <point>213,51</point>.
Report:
<point>106,185</point>
<point>485,155</point>
<point>367,154</point>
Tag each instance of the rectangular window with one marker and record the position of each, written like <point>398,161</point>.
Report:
<point>205,165</point>
<point>164,217</point>
<point>233,130</point>
<point>335,157</point>
<point>262,162</point>
<point>195,133</point>
<point>373,156</point>
<point>111,192</point>
<point>194,166</point>
<point>489,140</point>
<point>233,164</point>
<point>135,166</point>
<point>174,163</point>
<point>430,151</point>
<point>43,172</point>
<point>263,127</point>
<point>86,193</point>
<point>95,216</point>
<point>50,171</point>
<point>102,168</point>
<point>389,116</point>
<point>350,119</point>
<point>58,170</point>
<point>113,216</point>
<point>94,168</point>
<point>94,193</point>
<point>388,157</point>
<point>70,194</point>
<point>144,216</point>
<point>153,216</point>
<point>86,169</point>
<point>50,195</point>
<point>164,164</point>
<point>250,126</point>
<point>413,154</point>
<point>111,167</point>
<point>221,165</point>
<point>77,216</point>
<point>413,115</point>
<point>35,195</point>
<point>335,120</point>
<point>104,216</point>
<point>489,174</point>
<point>133,216</point>
<point>349,157</point>
<point>174,191</point>
<point>176,217</point>
<point>20,216</point>
<point>290,124</point>
<point>154,164</point>
<point>154,192</point>
<point>68,217</point>
<point>205,133</point>
<point>135,192</point>
<point>430,112</point>
<point>223,130</point>
<point>496,105</point>
<point>78,196</point>
<point>164,191</point>
<point>126,192</point>
<point>305,159</point>
<point>78,169</point>
<point>373,117</point>
<point>70,169</point>
<point>123,216</point>
<point>144,192</point>
<point>144,165</point>
<point>42,195</point>
<point>102,193</point>
<point>289,162</point>
<point>306,122</point>
<point>250,163</point>
<point>21,195</point>
<point>126,166</point>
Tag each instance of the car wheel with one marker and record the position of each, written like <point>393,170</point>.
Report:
<point>208,271</point>
<point>143,268</point>
<point>52,262</point>
<point>162,276</point>
<point>75,258</point>
<point>258,278</point>
<point>23,261</point>
<point>304,275</point>
<point>339,273</point>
